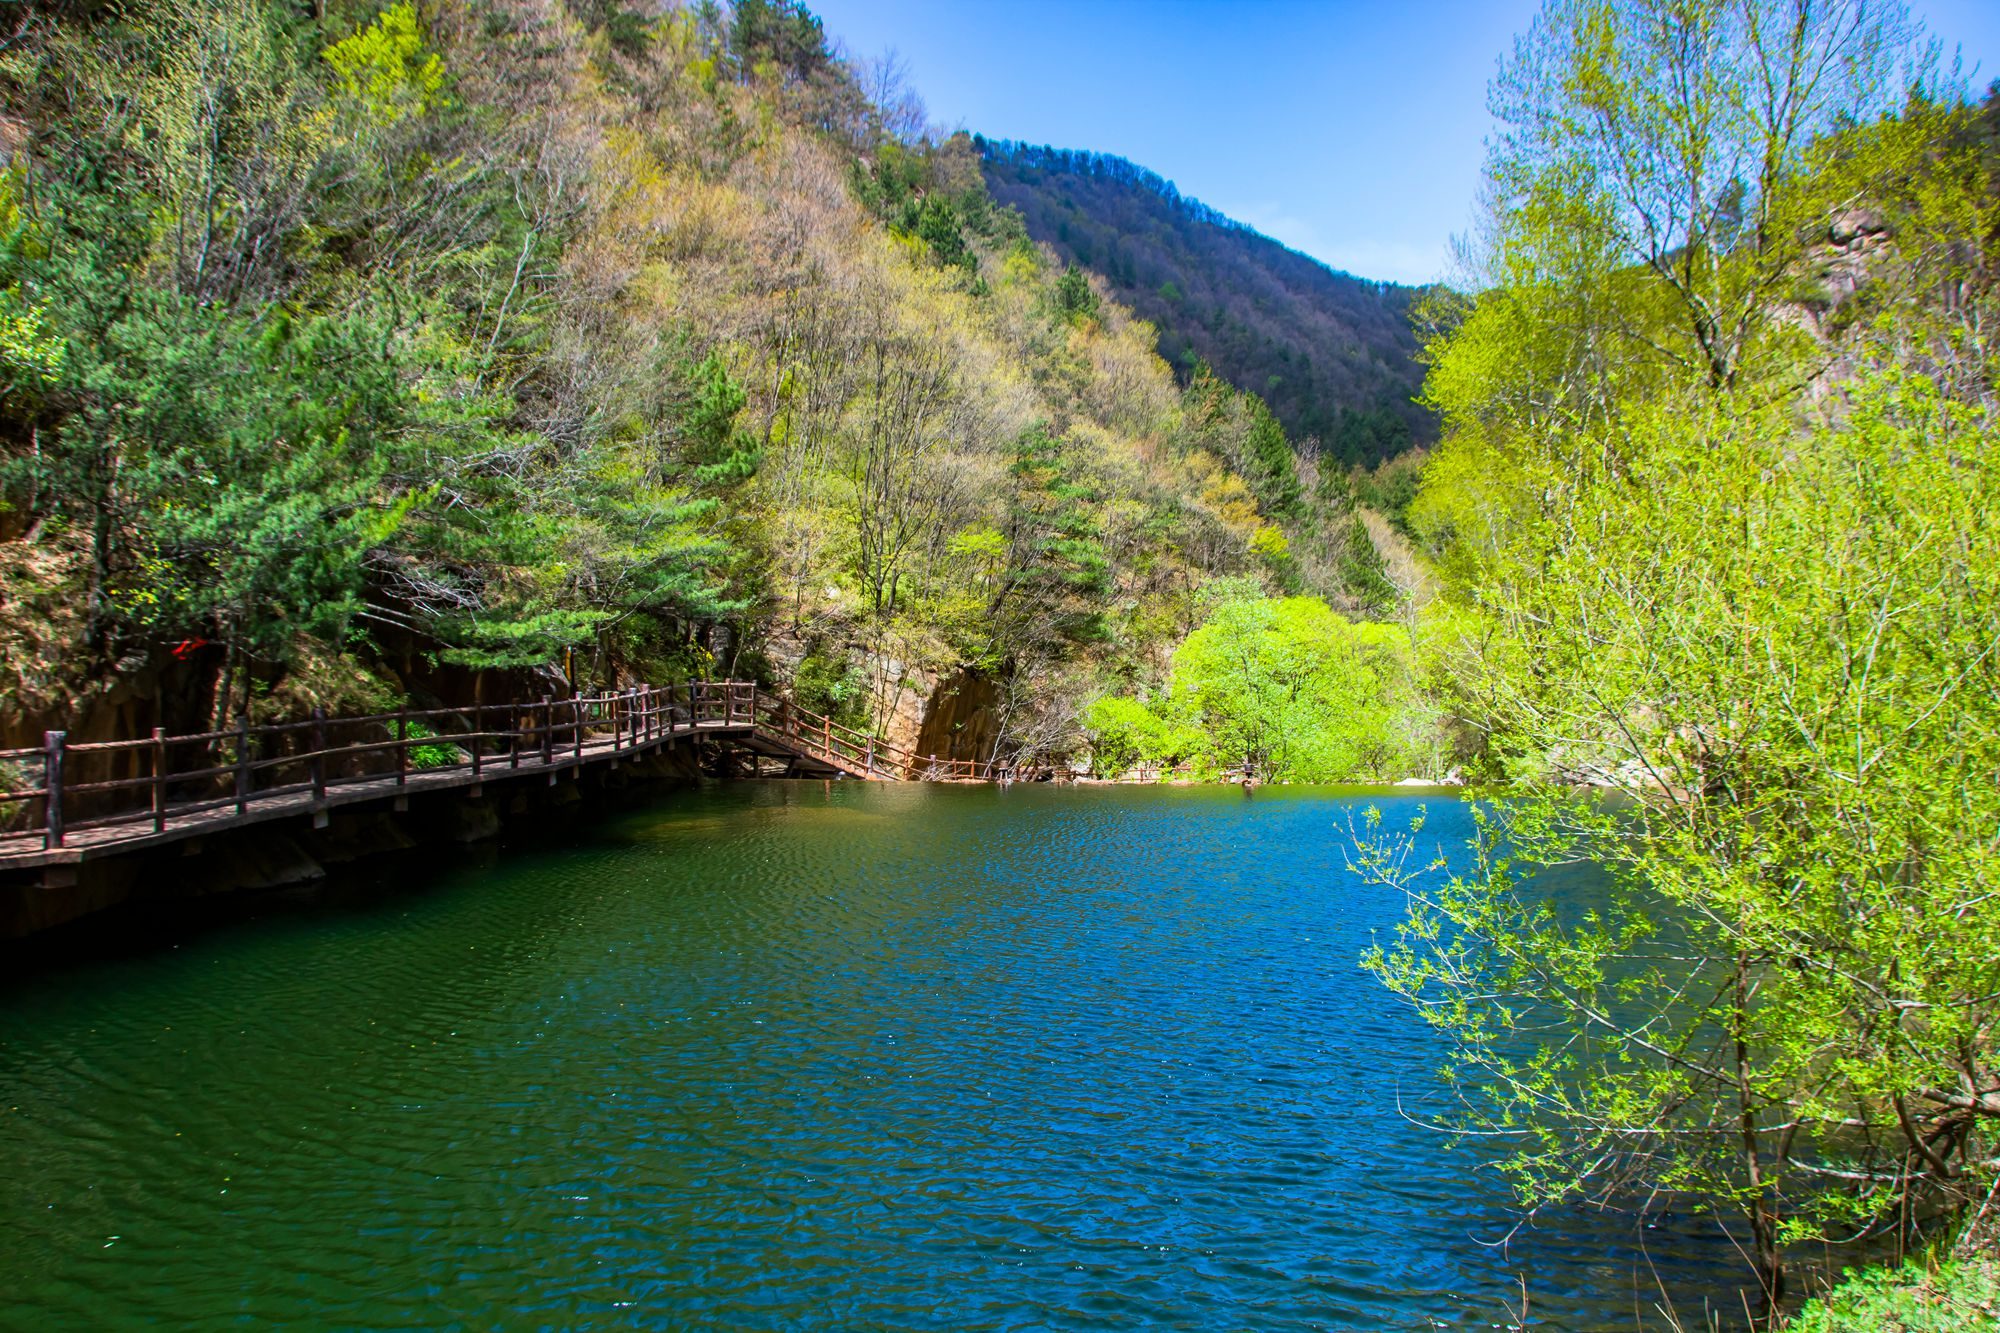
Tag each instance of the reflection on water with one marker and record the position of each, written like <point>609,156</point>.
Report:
<point>789,1055</point>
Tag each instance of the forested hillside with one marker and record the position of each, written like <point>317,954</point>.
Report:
<point>351,353</point>
<point>1333,355</point>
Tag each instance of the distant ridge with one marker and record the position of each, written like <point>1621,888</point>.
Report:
<point>1333,354</point>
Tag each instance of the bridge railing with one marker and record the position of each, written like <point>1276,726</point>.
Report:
<point>62,786</point>
<point>863,754</point>
<point>48,791</point>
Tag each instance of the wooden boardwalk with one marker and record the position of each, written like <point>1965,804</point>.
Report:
<point>73,803</point>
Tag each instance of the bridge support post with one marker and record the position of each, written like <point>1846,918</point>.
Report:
<point>159,779</point>
<point>242,761</point>
<point>52,788</point>
<point>319,766</point>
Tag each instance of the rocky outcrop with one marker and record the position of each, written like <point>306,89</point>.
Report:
<point>962,719</point>
<point>902,700</point>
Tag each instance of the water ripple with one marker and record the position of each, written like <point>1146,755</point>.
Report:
<point>784,1056</point>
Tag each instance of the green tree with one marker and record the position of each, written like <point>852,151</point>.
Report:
<point>1074,297</point>
<point>1269,466</point>
<point>1674,134</point>
<point>938,227</point>
<point>1782,649</point>
<point>1286,688</point>
<point>1747,590</point>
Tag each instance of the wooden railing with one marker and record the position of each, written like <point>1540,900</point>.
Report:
<point>48,793</point>
<point>864,755</point>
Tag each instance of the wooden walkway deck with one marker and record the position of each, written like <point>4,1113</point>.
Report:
<point>111,798</point>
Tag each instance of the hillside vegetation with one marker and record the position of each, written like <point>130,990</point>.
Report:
<point>1714,523</point>
<point>352,352</point>
<point>1335,356</point>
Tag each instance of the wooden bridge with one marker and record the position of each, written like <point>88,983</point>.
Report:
<point>74,802</point>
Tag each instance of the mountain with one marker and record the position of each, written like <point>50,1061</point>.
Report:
<point>1332,354</point>
<point>351,355</point>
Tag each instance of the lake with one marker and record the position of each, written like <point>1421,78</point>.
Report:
<point>789,1055</point>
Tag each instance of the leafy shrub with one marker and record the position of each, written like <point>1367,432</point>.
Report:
<point>1123,732</point>
<point>829,684</point>
<point>442,755</point>
<point>1287,685</point>
<point>19,775</point>
<point>1959,1295</point>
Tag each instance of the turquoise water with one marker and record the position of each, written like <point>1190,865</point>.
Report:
<point>788,1056</point>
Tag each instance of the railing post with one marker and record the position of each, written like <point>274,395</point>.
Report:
<point>319,757</point>
<point>478,735</point>
<point>52,788</point>
<point>576,729</point>
<point>871,756</point>
<point>402,746</point>
<point>159,779</point>
<point>513,736</point>
<point>242,761</point>
<point>548,730</point>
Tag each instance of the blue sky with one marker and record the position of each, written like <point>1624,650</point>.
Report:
<point>1350,130</point>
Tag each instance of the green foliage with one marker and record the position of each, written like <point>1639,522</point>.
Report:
<point>1391,487</point>
<point>385,67</point>
<point>1362,570</point>
<point>1074,297</point>
<point>1955,1295</point>
<point>1778,674</point>
<point>1744,578</point>
<point>938,227</point>
<point>442,755</point>
<point>1287,688</point>
<point>233,469</point>
<point>722,453</point>
<point>825,682</point>
<point>782,33</point>
<point>1059,566</point>
<point>1268,465</point>
<point>1124,733</point>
